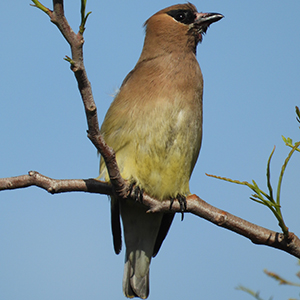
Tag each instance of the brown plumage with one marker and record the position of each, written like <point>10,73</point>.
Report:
<point>155,127</point>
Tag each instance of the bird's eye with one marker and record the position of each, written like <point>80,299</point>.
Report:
<point>182,16</point>
<point>179,17</point>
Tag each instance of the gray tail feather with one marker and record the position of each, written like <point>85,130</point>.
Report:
<point>136,276</point>
<point>140,232</point>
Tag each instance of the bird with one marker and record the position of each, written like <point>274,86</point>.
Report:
<point>154,125</point>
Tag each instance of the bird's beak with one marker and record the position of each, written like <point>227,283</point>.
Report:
<point>202,22</point>
<point>205,19</point>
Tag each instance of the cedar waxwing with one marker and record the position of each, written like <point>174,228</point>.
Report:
<point>154,126</point>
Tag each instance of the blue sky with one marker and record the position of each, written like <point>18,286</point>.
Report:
<point>60,246</point>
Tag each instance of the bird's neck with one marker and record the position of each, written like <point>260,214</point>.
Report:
<point>158,45</point>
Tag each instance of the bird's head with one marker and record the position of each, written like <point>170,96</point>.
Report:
<point>178,27</point>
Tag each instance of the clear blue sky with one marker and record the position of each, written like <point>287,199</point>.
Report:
<point>59,246</point>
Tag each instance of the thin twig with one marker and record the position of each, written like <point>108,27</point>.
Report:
<point>76,42</point>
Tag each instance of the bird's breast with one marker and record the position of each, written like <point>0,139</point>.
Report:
<point>155,126</point>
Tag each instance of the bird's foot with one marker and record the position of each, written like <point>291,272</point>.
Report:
<point>137,193</point>
<point>182,203</point>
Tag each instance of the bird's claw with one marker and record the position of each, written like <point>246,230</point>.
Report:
<point>182,203</point>
<point>137,193</point>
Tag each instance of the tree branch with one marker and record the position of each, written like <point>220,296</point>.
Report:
<point>195,205</point>
<point>257,234</point>
<point>119,186</point>
<point>76,42</point>
<point>55,186</point>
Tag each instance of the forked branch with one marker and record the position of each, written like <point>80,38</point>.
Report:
<point>195,205</point>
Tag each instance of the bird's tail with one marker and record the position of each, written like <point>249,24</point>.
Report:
<point>140,232</point>
<point>136,275</point>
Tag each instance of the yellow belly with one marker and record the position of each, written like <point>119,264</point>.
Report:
<point>159,155</point>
